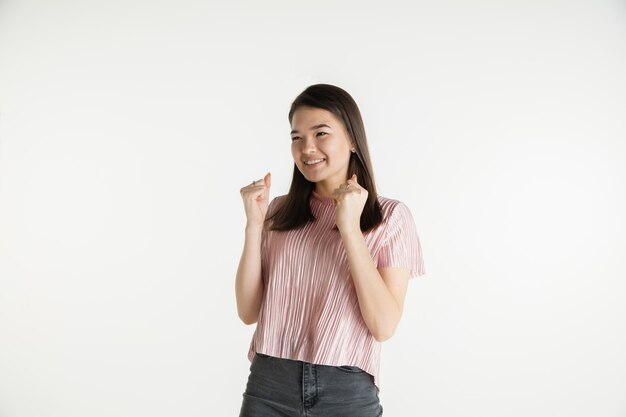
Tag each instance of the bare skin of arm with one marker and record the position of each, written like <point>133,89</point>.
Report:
<point>381,292</point>
<point>248,282</point>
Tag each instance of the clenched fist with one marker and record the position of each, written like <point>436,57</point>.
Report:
<point>350,199</point>
<point>256,198</point>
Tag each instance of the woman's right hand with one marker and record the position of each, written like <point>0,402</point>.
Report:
<point>256,199</point>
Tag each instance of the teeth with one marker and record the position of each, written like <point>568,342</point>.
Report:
<point>315,161</point>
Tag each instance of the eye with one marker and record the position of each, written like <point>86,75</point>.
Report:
<point>295,137</point>
<point>322,133</point>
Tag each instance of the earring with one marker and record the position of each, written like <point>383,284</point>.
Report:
<point>353,150</point>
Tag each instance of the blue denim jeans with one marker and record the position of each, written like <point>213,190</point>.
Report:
<point>286,388</point>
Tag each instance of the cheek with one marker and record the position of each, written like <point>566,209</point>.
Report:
<point>295,153</point>
<point>335,151</point>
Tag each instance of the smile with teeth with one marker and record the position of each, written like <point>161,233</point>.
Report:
<point>313,161</point>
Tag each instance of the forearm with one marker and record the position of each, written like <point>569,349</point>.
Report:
<point>379,308</point>
<point>248,283</point>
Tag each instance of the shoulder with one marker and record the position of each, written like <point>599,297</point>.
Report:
<point>397,217</point>
<point>272,208</point>
<point>277,200</point>
<point>275,203</point>
<point>392,208</point>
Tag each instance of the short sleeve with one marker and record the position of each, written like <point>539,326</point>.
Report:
<point>401,246</point>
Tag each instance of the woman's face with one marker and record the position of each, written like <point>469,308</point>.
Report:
<point>321,147</point>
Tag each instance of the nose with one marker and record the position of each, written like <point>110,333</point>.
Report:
<point>308,145</point>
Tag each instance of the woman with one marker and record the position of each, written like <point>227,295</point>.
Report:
<point>324,269</point>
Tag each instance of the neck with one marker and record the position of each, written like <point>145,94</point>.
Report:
<point>325,190</point>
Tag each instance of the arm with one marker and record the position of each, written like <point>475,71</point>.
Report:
<point>381,292</point>
<point>248,284</point>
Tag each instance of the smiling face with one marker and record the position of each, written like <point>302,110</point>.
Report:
<point>321,148</point>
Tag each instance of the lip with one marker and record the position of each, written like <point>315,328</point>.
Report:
<point>313,159</point>
<point>314,165</point>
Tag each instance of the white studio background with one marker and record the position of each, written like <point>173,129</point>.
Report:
<point>127,129</point>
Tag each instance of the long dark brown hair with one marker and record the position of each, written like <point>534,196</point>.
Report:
<point>294,209</point>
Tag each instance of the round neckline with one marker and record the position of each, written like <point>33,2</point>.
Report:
<point>324,200</point>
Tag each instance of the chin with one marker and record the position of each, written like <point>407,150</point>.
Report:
<point>308,178</point>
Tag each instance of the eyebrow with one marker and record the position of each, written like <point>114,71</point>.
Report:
<point>314,127</point>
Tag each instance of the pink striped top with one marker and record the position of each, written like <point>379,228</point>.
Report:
<point>310,310</point>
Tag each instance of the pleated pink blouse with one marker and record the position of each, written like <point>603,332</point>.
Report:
<point>310,309</point>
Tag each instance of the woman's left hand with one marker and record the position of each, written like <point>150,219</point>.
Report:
<point>350,199</point>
